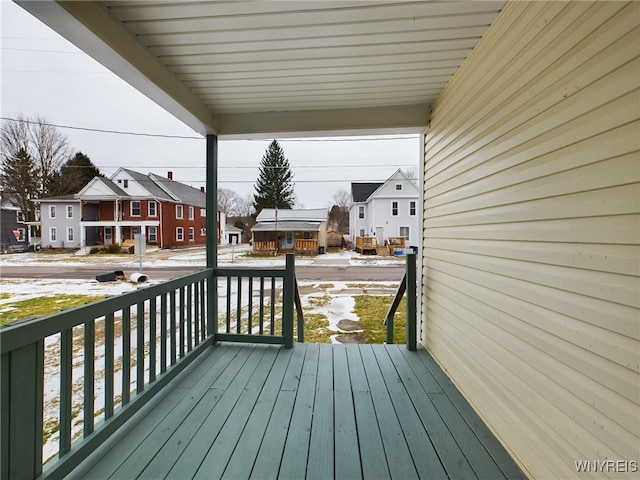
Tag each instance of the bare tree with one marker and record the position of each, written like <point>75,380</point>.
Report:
<point>229,202</point>
<point>412,174</point>
<point>339,213</point>
<point>40,142</point>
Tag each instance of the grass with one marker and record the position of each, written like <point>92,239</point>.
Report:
<point>34,307</point>
<point>372,309</point>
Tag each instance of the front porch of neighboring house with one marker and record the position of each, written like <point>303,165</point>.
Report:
<point>176,381</point>
<point>301,242</point>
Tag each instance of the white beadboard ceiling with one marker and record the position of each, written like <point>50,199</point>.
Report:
<point>290,67</point>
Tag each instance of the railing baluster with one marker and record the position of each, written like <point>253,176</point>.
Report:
<point>273,306</point>
<point>239,306</point>
<point>189,307</point>
<point>109,363</point>
<point>288,300</point>
<point>196,313</point>
<point>203,310</point>
<point>140,347</point>
<point>89,377</point>
<point>66,387</point>
<point>228,305</point>
<point>182,321</point>
<point>163,333</point>
<point>152,339</point>
<point>250,305</point>
<point>172,327</point>
<point>126,355</point>
<point>261,319</point>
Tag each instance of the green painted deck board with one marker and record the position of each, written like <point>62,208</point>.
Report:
<point>314,411</point>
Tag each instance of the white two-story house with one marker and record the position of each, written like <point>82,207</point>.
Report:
<point>384,210</point>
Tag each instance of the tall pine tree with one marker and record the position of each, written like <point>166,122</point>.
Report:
<point>274,188</point>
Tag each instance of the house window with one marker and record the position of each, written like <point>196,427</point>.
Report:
<point>412,208</point>
<point>153,234</point>
<point>125,183</point>
<point>191,214</point>
<point>360,212</point>
<point>180,234</point>
<point>203,212</point>
<point>398,186</point>
<point>69,211</point>
<point>152,208</point>
<point>21,232</point>
<point>394,209</point>
<point>179,213</point>
<point>53,234</point>
<point>52,211</point>
<point>70,234</point>
<point>192,234</point>
<point>404,232</point>
<point>135,208</point>
<point>361,232</point>
<point>19,216</point>
<point>203,232</point>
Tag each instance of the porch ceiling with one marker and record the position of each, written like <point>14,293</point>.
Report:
<point>279,67</point>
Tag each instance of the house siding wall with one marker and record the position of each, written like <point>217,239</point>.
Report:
<point>531,233</point>
<point>61,223</point>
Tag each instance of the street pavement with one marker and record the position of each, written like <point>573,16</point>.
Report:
<point>166,264</point>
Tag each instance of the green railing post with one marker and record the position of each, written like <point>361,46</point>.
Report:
<point>300,315</point>
<point>411,301</point>
<point>288,299</point>
<point>21,418</point>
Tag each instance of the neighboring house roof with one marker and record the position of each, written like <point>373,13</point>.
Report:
<point>360,192</point>
<point>100,187</point>
<point>181,192</point>
<point>232,228</point>
<point>60,199</point>
<point>311,214</point>
<point>155,186</point>
<point>298,226</point>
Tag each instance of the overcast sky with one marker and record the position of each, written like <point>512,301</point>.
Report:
<point>43,75</point>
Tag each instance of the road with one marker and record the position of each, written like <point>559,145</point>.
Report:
<point>335,273</point>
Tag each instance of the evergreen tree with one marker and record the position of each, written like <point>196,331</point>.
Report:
<point>19,181</point>
<point>274,187</point>
<point>74,174</point>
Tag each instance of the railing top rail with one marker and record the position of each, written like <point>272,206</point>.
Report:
<point>25,332</point>
<point>250,272</point>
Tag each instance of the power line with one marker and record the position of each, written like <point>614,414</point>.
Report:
<point>99,130</point>
<point>285,140</point>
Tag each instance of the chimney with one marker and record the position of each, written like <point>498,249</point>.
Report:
<point>202,189</point>
<point>170,175</point>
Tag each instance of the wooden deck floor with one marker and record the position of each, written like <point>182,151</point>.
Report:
<point>314,411</point>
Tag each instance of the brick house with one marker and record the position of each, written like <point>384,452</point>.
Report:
<point>170,214</point>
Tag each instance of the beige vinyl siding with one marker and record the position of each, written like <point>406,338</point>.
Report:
<point>531,268</point>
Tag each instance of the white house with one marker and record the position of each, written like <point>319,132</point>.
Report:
<point>388,209</point>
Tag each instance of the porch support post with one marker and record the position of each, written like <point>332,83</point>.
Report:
<point>411,301</point>
<point>212,233</point>
<point>288,299</point>
<point>21,405</point>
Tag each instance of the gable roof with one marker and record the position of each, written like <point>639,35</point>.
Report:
<point>301,215</point>
<point>360,192</point>
<point>98,187</point>
<point>180,192</point>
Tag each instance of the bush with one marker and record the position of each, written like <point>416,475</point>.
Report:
<point>94,250</point>
<point>113,248</point>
